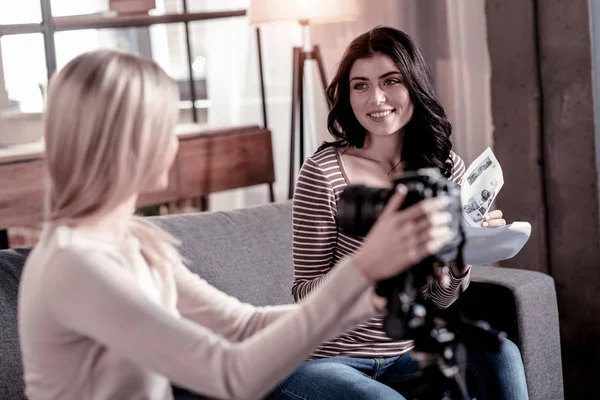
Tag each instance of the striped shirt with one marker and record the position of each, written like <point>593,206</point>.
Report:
<point>319,245</point>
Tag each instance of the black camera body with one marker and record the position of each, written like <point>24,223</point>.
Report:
<point>359,206</point>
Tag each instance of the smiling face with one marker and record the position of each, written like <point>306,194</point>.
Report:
<point>378,96</point>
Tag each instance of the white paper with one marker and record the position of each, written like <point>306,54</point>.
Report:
<point>490,245</point>
<point>481,184</point>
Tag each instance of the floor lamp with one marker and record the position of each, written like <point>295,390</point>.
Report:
<point>304,12</point>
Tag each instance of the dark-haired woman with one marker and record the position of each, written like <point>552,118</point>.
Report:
<point>386,119</point>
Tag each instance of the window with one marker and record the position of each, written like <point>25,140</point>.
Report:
<point>24,75</point>
<point>20,12</point>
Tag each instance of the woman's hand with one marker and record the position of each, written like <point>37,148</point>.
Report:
<point>402,238</point>
<point>493,219</point>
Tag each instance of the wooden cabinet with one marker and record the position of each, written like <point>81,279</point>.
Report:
<point>208,161</point>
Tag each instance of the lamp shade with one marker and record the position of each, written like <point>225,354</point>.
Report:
<point>313,11</point>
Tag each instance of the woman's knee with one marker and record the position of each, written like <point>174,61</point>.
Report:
<point>509,356</point>
<point>498,375</point>
<point>332,380</point>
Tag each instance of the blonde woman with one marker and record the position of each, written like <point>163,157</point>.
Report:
<point>107,310</point>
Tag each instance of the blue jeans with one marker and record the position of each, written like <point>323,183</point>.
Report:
<point>489,376</point>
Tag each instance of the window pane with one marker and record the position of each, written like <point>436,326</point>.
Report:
<point>20,12</point>
<point>163,43</point>
<point>169,49</point>
<point>25,75</point>
<point>224,51</point>
<point>70,44</point>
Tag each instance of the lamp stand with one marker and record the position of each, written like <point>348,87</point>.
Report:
<point>301,54</point>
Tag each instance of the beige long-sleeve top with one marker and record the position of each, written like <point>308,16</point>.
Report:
<point>96,322</point>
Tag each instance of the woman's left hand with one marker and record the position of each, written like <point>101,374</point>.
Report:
<point>493,219</point>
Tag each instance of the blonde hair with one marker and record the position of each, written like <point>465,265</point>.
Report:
<point>109,117</point>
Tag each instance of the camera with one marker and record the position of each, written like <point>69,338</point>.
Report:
<point>359,206</point>
<point>410,315</point>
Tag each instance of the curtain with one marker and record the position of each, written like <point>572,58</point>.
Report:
<point>233,85</point>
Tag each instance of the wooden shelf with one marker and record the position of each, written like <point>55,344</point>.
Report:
<point>125,21</point>
<point>35,151</point>
<point>110,20</point>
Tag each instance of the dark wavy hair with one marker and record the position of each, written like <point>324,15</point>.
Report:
<point>427,134</point>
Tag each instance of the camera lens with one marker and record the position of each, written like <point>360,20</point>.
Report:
<point>359,207</point>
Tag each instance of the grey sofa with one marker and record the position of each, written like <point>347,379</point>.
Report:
<point>247,253</point>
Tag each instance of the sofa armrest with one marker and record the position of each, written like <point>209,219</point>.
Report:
<point>523,303</point>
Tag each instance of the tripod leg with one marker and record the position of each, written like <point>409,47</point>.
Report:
<point>460,359</point>
<point>295,82</point>
<point>317,56</point>
<point>301,98</point>
<point>262,81</point>
<point>4,239</point>
<point>271,193</point>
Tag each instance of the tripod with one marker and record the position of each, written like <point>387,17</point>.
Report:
<point>301,54</point>
<point>444,334</point>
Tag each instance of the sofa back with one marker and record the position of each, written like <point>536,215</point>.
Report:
<point>246,253</point>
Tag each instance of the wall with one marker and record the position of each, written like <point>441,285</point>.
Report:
<point>3,93</point>
<point>595,39</point>
<point>543,112</point>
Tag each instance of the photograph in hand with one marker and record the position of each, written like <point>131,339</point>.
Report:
<point>485,164</point>
<point>472,209</point>
<point>479,205</point>
<point>484,180</point>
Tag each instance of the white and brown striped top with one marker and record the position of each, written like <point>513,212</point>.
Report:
<point>319,245</point>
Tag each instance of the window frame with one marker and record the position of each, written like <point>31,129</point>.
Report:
<point>50,25</point>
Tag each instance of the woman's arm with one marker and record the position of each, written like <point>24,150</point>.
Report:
<point>314,238</point>
<point>444,292</point>
<point>206,305</point>
<point>314,229</point>
<point>97,298</point>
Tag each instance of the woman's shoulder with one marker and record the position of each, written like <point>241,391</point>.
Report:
<point>455,157</point>
<point>69,248</point>
<point>62,266</point>
<point>320,172</point>
<point>323,163</point>
<point>324,156</point>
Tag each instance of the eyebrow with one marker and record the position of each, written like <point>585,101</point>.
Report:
<point>362,78</point>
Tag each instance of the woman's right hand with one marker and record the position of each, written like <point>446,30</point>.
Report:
<point>400,239</point>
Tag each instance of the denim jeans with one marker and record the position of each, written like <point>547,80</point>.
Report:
<point>489,376</point>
